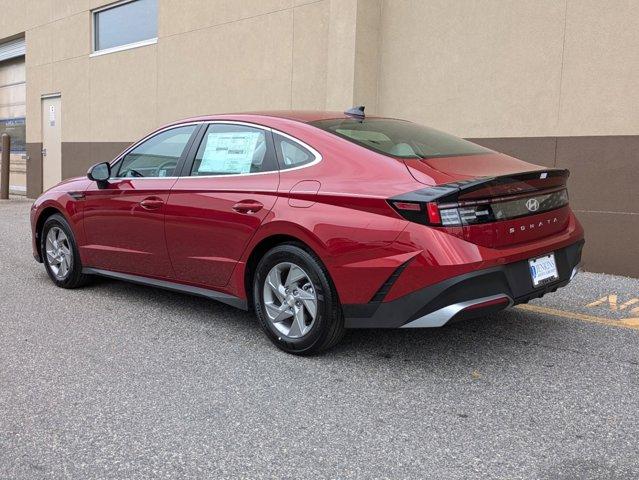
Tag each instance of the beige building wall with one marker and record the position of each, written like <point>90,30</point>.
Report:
<point>211,56</point>
<point>494,68</point>
<point>550,81</point>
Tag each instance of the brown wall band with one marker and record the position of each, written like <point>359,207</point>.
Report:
<point>602,186</point>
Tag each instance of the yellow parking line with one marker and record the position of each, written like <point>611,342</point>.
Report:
<point>632,323</point>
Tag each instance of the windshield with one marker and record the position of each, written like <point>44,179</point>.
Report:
<point>400,138</point>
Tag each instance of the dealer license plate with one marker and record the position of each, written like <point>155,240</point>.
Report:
<point>543,270</point>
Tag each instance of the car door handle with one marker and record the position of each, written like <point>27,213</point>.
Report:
<point>152,203</point>
<point>248,206</point>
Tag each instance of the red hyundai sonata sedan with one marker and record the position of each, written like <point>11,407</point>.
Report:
<point>317,221</point>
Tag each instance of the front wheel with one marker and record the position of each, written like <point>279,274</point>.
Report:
<point>295,301</point>
<point>60,253</point>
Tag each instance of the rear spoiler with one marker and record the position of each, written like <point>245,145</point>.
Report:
<point>486,187</point>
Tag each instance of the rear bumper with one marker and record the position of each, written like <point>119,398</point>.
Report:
<point>466,296</point>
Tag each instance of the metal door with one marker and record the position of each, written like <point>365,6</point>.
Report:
<point>51,141</point>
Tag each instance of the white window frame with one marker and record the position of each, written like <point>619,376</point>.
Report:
<point>318,156</point>
<point>119,48</point>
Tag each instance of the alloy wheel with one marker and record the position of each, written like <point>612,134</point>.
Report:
<point>290,300</point>
<point>59,254</point>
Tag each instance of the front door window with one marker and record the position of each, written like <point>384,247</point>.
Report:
<point>158,156</point>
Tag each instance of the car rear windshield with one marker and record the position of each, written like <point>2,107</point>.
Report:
<point>400,138</point>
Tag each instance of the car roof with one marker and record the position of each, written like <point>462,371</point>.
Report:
<point>304,116</point>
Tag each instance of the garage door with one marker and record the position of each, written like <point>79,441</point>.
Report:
<point>13,108</point>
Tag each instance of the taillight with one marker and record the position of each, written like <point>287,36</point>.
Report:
<point>465,215</point>
<point>454,214</point>
<point>434,216</point>
<point>406,206</point>
<point>413,211</point>
<point>426,213</point>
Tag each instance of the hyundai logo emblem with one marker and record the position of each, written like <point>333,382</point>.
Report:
<point>532,204</point>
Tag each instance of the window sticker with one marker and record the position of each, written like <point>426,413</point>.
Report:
<point>229,152</point>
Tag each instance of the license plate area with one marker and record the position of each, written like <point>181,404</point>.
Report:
<point>543,270</point>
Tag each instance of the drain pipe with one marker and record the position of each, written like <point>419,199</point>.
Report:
<point>4,167</point>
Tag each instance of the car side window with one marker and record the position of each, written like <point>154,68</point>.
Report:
<point>158,156</point>
<point>229,149</point>
<point>291,153</point>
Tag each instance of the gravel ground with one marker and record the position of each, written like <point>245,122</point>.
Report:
<point>121,381</point>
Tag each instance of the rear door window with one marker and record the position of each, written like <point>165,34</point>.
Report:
<point>229,149</point>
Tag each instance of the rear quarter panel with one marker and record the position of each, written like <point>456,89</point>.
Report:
<point>347,222</point>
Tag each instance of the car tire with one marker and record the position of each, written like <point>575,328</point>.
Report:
<point>308,278</point>
<point>60,253</point>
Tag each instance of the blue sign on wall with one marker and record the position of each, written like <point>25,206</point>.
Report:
<point>16,128</point>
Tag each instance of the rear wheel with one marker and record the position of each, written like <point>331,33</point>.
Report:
<point>60,253</point>
<point>295,301</point>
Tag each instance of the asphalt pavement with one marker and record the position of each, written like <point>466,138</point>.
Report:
<point>122,381</point>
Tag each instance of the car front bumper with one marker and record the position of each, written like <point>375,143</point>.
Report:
<point>466,296</point>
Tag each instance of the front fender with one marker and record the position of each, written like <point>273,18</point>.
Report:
<point>59,201</point>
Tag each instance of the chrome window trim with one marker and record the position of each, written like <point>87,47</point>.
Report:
<point>117,179</point>
<point>119,158</point>
<point>230,175</point>
<point>316,154</point>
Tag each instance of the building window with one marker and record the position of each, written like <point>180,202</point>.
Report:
<point>125,25</point>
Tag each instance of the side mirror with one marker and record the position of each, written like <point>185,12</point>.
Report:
<point>100,173</point>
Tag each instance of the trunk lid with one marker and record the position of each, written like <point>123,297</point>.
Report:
<point>491,164</point>
<point>492,200</point>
